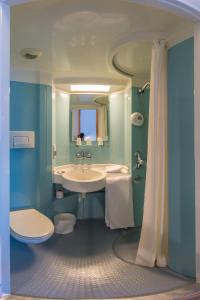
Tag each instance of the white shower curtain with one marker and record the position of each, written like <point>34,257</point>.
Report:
<point>153,246</point>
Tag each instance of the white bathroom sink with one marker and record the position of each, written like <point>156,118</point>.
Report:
<point>60,171</point>
<point>83,181</point>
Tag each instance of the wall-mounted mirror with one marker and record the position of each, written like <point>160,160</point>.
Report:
<point>89,116</point>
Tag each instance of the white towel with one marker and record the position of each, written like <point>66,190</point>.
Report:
<point>119,201</point>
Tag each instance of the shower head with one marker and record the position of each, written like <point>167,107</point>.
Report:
<point>142,89</point>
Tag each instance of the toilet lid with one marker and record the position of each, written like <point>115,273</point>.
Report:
<point>30,223</point>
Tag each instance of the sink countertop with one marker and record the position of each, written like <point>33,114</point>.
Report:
<point>111,169</point>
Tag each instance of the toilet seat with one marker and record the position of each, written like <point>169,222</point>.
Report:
<point>30,226</point>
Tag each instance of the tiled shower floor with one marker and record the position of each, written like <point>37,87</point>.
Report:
<point>92,262</point>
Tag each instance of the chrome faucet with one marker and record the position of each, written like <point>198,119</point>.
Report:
<point>139,161</point>
<point>83,155</point>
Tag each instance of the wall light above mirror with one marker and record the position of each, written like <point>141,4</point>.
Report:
<point>95,88</point>
<point>89,117</point>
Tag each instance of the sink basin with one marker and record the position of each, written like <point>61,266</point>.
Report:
<point>83,181</point>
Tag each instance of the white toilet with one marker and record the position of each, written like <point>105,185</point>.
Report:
<point>30,226</point>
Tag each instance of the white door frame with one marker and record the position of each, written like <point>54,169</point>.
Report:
<point>187,8</point>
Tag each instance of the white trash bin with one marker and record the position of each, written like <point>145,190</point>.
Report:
<point>64,223</point>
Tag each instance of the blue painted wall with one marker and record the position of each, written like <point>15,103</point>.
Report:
<point>181,158</point>
<point>31,169</point>
<point>140,103</point>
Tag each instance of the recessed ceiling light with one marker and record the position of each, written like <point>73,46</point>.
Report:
<point>89,88</point>
<point>31,53</point>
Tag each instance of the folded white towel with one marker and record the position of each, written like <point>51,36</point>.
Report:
<point>119,201</point>
<point>113,169</point>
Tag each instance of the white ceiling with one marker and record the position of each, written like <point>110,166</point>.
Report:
<point>78,37</point>
<point>135,58</point>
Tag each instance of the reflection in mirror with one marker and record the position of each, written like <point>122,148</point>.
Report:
<point>89,117</point>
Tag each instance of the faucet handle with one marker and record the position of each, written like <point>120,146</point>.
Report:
<point>139,161</point>
<point>78,155</point>
<point>88,155</point>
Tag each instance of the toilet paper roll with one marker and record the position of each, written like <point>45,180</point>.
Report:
<point>59,194</point>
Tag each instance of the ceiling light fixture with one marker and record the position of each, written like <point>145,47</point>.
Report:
<point>90,88</point>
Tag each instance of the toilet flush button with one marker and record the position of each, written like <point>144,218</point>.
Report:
<point>21,140</point>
